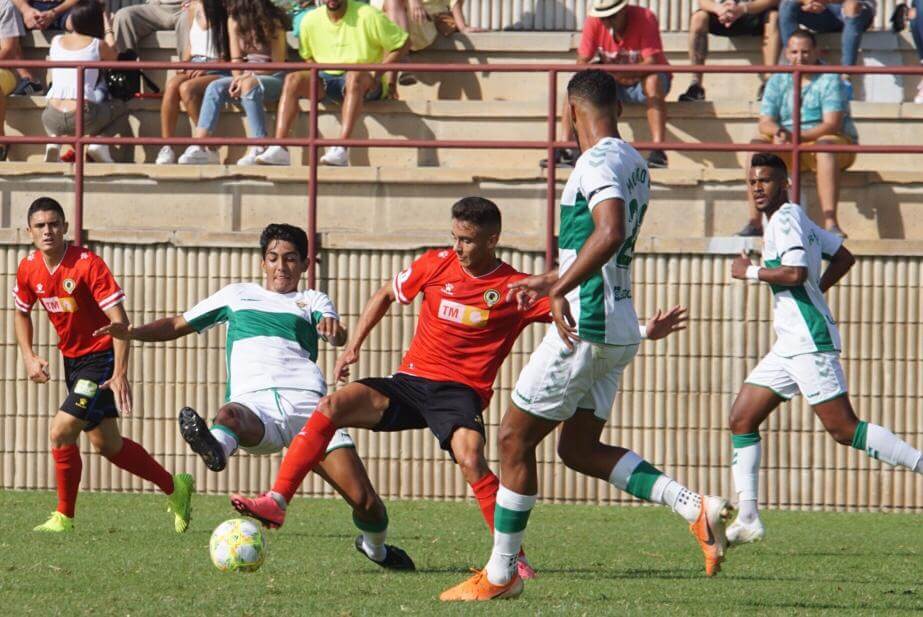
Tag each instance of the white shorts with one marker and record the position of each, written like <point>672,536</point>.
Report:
<point>556,382</point>
<point>816,376</point>
<point>284,413</point>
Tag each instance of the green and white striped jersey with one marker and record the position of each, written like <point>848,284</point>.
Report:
<point>271,338</point>
<point>602,304</point>
<point>800,315</point>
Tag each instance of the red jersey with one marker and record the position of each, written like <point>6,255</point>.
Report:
<point>640,41</point>
<point>74,294</point>
<point>466,327</point>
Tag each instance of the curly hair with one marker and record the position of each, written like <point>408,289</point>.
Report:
<point>258,21</point>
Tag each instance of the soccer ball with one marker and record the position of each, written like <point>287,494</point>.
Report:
<point>238,545</point>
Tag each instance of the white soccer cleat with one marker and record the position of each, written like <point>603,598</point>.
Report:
<point>274,155</point>
<point>335,156</point>
<point>740,532</point>
<point>52,153</point>
<point>250,157</point>
<point>197,155</point>
<point>99,153</point>
<point>166,156</point>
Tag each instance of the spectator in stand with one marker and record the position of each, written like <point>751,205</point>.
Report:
<point>8,81</point>
<point>916,28</point>
<point>133,23</point>
<point>851,17</point>
<point>256,34</point>
<point>824,120</point>
<point>731,18</point>
<point>208,42</point>
<point>30,15</point>
<point>91,39</point>
<point>616,33</point>
<point>343,32</point>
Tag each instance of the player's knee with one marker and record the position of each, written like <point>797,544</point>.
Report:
<point>60,438</point>
<point>699,21</point>
<point>738,422</point>
<point>330,408</point>
<point>470,460</point>
<point>511,444</point>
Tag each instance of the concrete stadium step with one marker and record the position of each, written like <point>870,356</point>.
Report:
<point>559,47</point>
<point>879,123</point>
<point>385,202</point>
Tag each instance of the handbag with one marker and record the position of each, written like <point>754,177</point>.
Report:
<point>125,84</point>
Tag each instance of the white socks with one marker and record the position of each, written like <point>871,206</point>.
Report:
<point>745,467</point>
<point>680,499</point>
<point>882,444</point>
<point>373,543</point>
<point>226,438</point>
<point>511,516</point>
<point>639,478</point>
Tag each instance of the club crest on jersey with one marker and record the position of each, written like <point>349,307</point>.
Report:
<point>466,315</point>
<point>69,285</point>
<point>491,297</point>
<point>449,289</point>
<point>40,288</point>
<point>301,304</point>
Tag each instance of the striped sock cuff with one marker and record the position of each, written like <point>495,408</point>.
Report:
<point>634,475</point>
<point>512,511</point>
<point>226,430</point>
<point>860,436</point>
<point>376,527</point>
<point>745,439</point>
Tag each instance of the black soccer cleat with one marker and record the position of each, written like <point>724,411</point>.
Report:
<point>195,431</point>
<point>395,558</point>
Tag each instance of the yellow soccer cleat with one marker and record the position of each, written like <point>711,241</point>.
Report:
<point>709,531</point>
<point>56,523</point>
<point>180,502</point>
<point>478,588</point>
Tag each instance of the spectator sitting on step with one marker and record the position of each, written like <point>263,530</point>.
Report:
<point>207,42</point>
<point>824,120</point>
<point>90,40</point>
<point>134,23</point>
<point>424,20</point>
<point>256,33</point>
<point>916,28</point>
<point>343,32</point>
<point>731,18</point>
<point>851,17</point>
<point>616,33</point>
<point>18,16</point>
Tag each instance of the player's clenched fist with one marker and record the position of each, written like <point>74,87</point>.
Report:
<point>37,369</point>
<point>739,266</point>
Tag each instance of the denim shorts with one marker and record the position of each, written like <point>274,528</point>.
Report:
<point>198,59</point>
<point>634,95</point>
<point>335,88</point>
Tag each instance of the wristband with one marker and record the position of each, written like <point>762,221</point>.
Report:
<point>753,273</point>
<point>642,329</point>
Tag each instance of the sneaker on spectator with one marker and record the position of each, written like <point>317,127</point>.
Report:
<point>760,92</point>
<point>335,156</point>
<point>693,94</point>
<point>69,156</point>
<point>26,87</point>
<point>565,157</point>
<point>52,153</point>
<point>250,157</point>
<point>166,156</point>
<point>750,231</point>
<point>407,79</point>
<point>274,155</point>
<point>919,97</point>
<point>99,153</point>
<point>197,155</point>
<point>657,159</point>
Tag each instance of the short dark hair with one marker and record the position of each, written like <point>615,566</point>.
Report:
<point>593,86</point>
<point>773,161</point>
<point>806,35</point>
<point>86,18</point>
<point>477,211</point>
<point>44,204</point>
<point>286,232</point>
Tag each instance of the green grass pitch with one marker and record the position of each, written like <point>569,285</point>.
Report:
<point>125,559</point>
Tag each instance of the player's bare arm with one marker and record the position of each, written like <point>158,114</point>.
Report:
<point>788,276</point>
<point>36,366</point>
<point>839,265</point>
<point>608,235</point>
<point>374,310</point>
<point>121,348</point>
<point>166,329</point>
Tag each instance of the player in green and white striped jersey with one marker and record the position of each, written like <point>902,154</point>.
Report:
<point>805,357</point>
<point>273,381</point>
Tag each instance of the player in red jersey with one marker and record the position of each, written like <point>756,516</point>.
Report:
<point>80,295</point>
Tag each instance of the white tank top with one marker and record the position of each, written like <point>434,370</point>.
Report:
<point>64,81</point>
<point>200,43</point>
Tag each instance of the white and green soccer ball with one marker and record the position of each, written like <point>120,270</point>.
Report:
<point>238,545</point>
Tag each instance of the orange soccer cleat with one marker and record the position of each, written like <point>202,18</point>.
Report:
<point>478,588</point>
<point>709,531</point>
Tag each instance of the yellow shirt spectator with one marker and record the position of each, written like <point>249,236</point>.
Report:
<point>363,36</point>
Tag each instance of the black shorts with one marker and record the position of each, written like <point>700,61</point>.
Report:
<point>85,399</point>
<point>746,25</point>
<point>417,402</point>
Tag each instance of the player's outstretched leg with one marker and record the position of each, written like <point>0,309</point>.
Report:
<point>133,458</point>
<point>214,446</point>
<point>343,470</point>
<point>580,449</point>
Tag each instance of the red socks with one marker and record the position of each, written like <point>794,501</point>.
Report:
<point>307,449</point>
<point>135,459</point>
<point>67,470</point>
<point>485,490</point>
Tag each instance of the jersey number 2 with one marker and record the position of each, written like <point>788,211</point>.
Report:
<point>627,251</point>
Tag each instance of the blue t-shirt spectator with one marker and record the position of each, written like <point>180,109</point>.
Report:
<point>823,94</point>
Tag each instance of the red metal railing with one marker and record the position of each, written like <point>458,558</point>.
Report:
<point>312,142</point>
